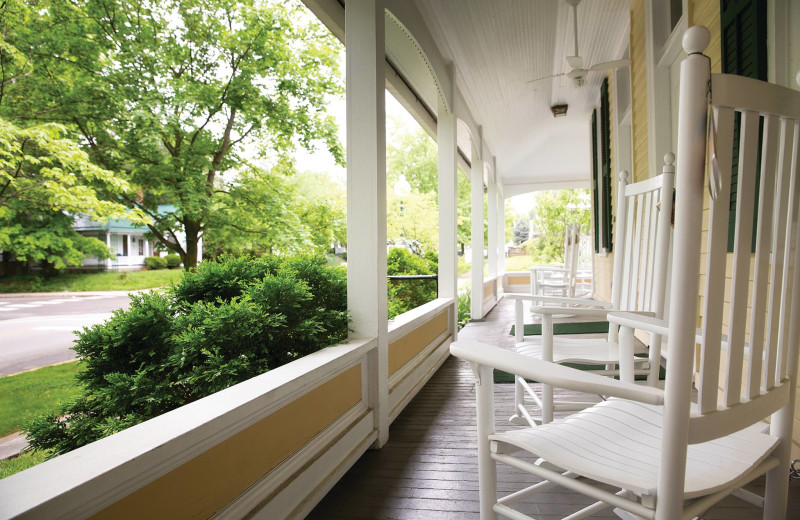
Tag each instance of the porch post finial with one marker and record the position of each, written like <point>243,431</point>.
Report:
<point>696,39</point>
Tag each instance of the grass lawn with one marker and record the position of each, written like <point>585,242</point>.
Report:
<point>26,395</point>
<point>520,263</point>
<point>24,461</point>
<point>109,281</point>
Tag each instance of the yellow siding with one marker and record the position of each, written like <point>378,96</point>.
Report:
<point>639,92</point>
<point>238,462</point>
<point>403,349</point>
<point>519,279</point>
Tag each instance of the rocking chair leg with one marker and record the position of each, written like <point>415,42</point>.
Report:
<point>778,477</point>
<point>487,467</point>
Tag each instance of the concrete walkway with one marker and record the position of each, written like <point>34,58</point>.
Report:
<point>11,445</point>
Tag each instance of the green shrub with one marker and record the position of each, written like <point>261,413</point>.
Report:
<point>405,295</point>
<point>173,260</point>
<point>222,324</point>
<point>155,262</point>
<point>464,308</point>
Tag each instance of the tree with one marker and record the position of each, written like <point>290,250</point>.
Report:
<point>553,211</point>
<point>521,231</point>
<point>172,94</point>
<point>413,153</point>
<point>322,209</point>
<point>46,180</point>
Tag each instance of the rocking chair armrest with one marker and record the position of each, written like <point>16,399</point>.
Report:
<point>550,373</point>
<point>550,269</point>
<point>575,311</point>
<point>639,321</point>
<point>560,300</point>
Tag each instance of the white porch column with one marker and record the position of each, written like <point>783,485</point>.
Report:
<point>501,232</point>
<point>366,195</point>
<point>108,245</point>
<point>446,140</point>
<point>477,236</point>
<point>492,210</point>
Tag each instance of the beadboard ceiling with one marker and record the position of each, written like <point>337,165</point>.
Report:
<point>498,46</point>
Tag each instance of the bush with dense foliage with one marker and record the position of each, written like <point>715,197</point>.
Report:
<point>405,295</point>
<point>173,260</point>
<point>222,324</point>
<point>155,262</point>
<point>464,308</point>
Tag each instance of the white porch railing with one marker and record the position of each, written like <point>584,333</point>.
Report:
<point>270,447</point>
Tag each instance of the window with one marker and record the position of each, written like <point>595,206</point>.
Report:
<point>744,52</point>
<point>601,172</point>
<point>675,13</point>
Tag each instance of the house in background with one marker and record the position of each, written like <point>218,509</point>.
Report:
<point>127,243</point>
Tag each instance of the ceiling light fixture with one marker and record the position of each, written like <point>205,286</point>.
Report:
<point>559,110</point>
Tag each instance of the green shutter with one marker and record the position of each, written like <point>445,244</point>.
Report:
<point>595,185</point>
<point>605,149</point>
<point>744,52</point>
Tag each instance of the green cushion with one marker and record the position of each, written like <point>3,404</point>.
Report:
<point>585,327</point>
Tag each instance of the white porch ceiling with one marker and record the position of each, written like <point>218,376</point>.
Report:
<point>497,47</point>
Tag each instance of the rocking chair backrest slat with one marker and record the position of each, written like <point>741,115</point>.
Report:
<point>748,155</point>
<point>715,276</point>
<point>777,299</point>
<point>651,244</point>
<point>623,301</point>
<point>790,264</point>
<point>772,309</point>
<point>644,268</point>
<point>635,257</point>
<point>761,271</point>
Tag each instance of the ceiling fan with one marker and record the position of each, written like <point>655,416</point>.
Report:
<point>578,73</point>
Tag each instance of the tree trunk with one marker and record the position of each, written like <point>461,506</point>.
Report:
<point>192,230</point>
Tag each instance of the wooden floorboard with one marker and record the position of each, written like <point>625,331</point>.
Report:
<point>428,468</point>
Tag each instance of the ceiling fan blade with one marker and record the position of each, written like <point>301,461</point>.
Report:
<point>575,62</point>
<point>607,65</point>
<point>545,77</point>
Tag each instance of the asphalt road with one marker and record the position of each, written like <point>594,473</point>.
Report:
<point>37,331</point>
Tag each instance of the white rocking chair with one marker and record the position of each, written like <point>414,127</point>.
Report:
<point>642,244</point>
<point>551,279</point>
<point>671,457</point>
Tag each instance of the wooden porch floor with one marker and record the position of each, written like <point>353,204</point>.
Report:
<point>428,469</point>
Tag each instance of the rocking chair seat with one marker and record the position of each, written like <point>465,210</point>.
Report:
<point>587,351</point>
<point>619,442</point>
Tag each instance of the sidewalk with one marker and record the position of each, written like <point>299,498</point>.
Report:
<point>74,294</point>
<point>11,445</point>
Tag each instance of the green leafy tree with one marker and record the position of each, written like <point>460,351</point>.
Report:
<point>553,211</point>
<point>172,94</point>
<point>412,153</point>
<point>322,209</point>
<point>259,214</point>
<point>45,181</point>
